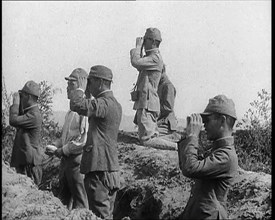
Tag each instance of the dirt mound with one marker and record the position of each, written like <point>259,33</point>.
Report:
<point>250,197</point>
<point>21,199</point>
<point>153,187</point>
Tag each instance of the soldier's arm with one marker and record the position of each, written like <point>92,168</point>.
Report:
<point>27,121</point>
<point>79,104</point>
<point>76,146</point>
<point>144,63</point>
<point>88,107</point>
<point>214,166</point>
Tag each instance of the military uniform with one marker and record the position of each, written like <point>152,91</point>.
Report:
<point>167,122</point>
<point>27,153</point>
<point>73,138</point>
<point>100,157</point>
<point>213,174</point>
<point>147,105</point>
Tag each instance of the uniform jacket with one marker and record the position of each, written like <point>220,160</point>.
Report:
<point>213,174</point>
<point>26,149</point>
<point>73,136</point>
<point>104,113</point>
<point>150,68</point>
<point>167,95</point>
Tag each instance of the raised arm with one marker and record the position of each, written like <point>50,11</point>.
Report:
<point>27,121</point>
<point>144,63</point>
<point>214,166</point>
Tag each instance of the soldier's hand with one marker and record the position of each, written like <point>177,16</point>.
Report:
<point>194,125</point>
<point>16,98</point>
<point>82,83</point>
<point>49,153</point>
<point>59,152</point>
<point>139,41</point>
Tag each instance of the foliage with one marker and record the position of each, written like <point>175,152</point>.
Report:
<point>8,132</point>
<point>50,129</point>
<point>5,103</point>
<point>253,139</point>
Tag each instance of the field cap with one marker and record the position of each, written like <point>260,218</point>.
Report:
<point>76,74</point>
<point>101,72</point>
<point>153,33</point>
<point>222,105</point>
<point>31,88</point>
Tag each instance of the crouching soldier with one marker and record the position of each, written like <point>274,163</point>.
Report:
<point>167,121</point>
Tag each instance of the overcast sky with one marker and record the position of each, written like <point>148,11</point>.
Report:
<point>209,47</point>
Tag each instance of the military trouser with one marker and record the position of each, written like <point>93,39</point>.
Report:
<point>101,188</point>
<point>160,143</point>
<point>147,124</point>
<point>32,171</point>
<point>72,190</point>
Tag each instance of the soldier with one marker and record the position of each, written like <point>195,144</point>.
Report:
<point>214,173</point>
<point>69,148</point>
<point>100,156</point>
<point>167,122</point>
<point>146,98</point>
<point>26,117</point>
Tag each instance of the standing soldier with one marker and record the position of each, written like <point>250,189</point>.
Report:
<point>214,173</point>
<point>26,117</point>
<point>147,104</point>
<point>69,148</point>
<point>100,156</point>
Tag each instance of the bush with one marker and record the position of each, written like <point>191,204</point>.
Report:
<point>8,132</point>
<point>253,137</point>
<point>50,129</point>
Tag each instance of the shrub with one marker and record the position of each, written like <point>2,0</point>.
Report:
<point>253,137</point>
<point>8,132</point>
<point>50,129</point>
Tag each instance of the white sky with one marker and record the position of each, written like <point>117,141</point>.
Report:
<point>209,47</point>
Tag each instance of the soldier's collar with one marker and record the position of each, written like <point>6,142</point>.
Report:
<point>225,141</point>
<point>100,94</point>
<point>154,50</point>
